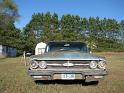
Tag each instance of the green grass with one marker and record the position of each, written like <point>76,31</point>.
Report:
<point>14,78</point>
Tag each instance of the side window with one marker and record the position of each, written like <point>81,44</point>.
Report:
<point>84,48</point>
<point>47,49</point>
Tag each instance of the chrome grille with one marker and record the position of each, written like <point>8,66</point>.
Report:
<point>58,64</point>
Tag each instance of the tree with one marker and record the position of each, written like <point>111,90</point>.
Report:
<point>70,28</point>
<point>9,34</point>
<point>122,31</point>
<point>8,7</point>
<point>46,28</point>
<point>55,27</point>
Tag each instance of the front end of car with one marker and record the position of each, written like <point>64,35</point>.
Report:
<point>88,70</point>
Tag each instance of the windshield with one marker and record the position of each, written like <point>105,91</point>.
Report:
<point>66,46</point>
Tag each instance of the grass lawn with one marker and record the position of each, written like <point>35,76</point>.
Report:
<point>14,78</point>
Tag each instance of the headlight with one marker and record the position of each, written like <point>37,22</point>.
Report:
<point>34,64</point>
<point>102,64</point>
<point>93,64</point>
<point>42,64</point>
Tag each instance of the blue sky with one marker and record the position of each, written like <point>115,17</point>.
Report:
<point>84,8</point>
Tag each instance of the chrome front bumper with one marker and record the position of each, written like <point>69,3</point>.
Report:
<point>53,74</point>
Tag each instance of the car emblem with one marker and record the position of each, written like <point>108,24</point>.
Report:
<point>68,64</point>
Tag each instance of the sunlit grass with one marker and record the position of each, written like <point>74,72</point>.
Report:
<point>14,78</point>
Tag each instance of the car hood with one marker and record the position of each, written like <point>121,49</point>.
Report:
<point>66,56</point>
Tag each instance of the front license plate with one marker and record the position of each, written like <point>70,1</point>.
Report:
<point>68,76</point>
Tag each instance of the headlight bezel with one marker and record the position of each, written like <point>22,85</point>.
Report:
<point>36,64</point>
<point>93,64</point>
<point>43,64</point>
<point>102,64</point>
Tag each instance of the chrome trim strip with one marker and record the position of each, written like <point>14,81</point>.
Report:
<point>54,64</point>
<point>62,64</point>
<point>81,64</point>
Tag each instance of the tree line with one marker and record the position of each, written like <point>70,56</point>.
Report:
<point>101,34</point>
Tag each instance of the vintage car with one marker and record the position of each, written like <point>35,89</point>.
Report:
<point>67,61</point>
